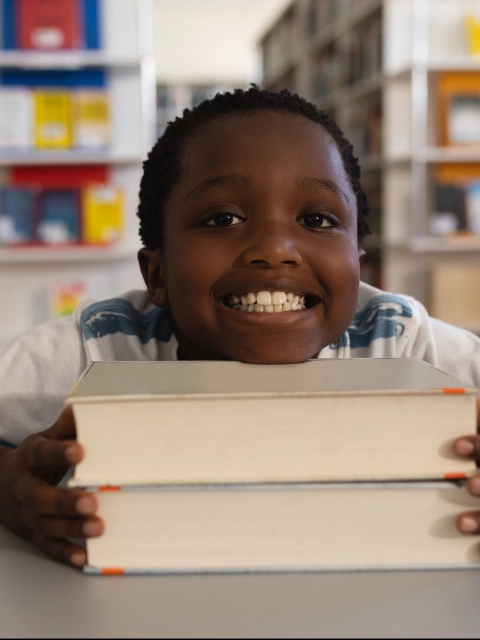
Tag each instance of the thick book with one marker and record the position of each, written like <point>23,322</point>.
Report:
<point>309,527</point>
<point>230,422</point>
<point>49,24</point>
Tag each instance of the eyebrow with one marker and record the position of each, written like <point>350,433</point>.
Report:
<point>322,184</point>
<point>234,179</point>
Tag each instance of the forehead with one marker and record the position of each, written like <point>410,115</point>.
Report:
<point>262,143</point>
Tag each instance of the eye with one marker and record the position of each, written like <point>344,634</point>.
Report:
<point>316,220</point>
<point>223,220</point>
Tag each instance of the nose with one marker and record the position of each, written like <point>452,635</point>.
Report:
<point>271,248</point>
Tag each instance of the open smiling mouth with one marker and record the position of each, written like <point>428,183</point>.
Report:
<point>265,301</point>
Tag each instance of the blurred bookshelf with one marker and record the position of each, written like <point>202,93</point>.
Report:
<point>77,118</point>
<point>402,79</point>
<point>172,99</point>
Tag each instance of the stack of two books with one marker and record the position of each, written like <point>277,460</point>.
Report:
<point>325,465</point>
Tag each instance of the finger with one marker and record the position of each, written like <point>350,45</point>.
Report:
<point>70,527</point>
<point>42,499</point>
<point>469,522</point>
<point>39,452</point>
<point>467,447</point>
<point>64,428</point>
<point>62,550</point>
<point>474,485</point>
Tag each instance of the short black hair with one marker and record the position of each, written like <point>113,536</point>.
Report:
<point>162,168</point>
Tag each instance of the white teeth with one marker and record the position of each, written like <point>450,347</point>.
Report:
<point>264,297</point>
<point>278,297</point>
<point>266,301</point>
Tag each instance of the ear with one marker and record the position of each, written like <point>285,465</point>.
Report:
<point>361,254</point>
<point>151,266</point>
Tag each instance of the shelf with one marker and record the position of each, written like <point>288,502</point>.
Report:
<point>439,155</point>
<point>450,154</point>
<point>452,244</point>
<point>371,163</point>
<point>452,63</point>
<point>28,255</point>
<point>342,26</point>
<point>346,95</point>
<point>65,157</point>
<point>279,68</point>
<point>66,59</point>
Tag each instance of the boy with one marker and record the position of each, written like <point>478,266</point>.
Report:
<point>251,213</point>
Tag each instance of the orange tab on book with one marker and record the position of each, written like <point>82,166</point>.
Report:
<point>112,571</point>
<point>109,487</point>
<point>455,476</point>
<point>454,390</point>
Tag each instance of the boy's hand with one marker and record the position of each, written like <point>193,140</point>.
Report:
<point>33,506</point>
<point>469,447</point>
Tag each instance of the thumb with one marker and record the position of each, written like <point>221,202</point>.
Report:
<point>64,428</point>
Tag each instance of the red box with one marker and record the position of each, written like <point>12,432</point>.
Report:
<point>49,24</point>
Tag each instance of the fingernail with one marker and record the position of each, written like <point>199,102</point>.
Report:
<point>468,524</point>
<point>92,528</point>
<point>474,485</point>
<point>78,558</point>
<point>72,454</point>
<point>464,447</point>
<point>85,506</point>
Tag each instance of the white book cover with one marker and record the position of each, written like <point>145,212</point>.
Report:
<point>16,118</point>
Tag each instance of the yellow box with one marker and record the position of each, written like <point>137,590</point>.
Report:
<point>53,120</point>
<point>102,214</point>
<point>472,24</point>
<point>92,119</point>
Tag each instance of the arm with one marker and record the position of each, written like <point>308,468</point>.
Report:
<point>31,504</point>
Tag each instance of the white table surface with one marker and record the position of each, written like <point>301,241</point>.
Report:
<point>44,599</point>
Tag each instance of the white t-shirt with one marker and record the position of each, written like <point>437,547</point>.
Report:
<point>39,369</point>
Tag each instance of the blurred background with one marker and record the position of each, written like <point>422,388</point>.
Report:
<point>87,86</point>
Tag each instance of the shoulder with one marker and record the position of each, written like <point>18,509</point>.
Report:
<point>130,314</point>
<point>383,318</point>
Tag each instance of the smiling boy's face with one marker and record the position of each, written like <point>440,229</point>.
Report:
<point>263,204</point>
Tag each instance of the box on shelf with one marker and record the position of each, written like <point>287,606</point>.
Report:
<point>53,120</point>
<point>17,215</point>
<point>59,217</point>
<point>16,118</point>
<point>102,214</point>
<point>458,97</point>
<point>50,25</point>
<point>91,119</point>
